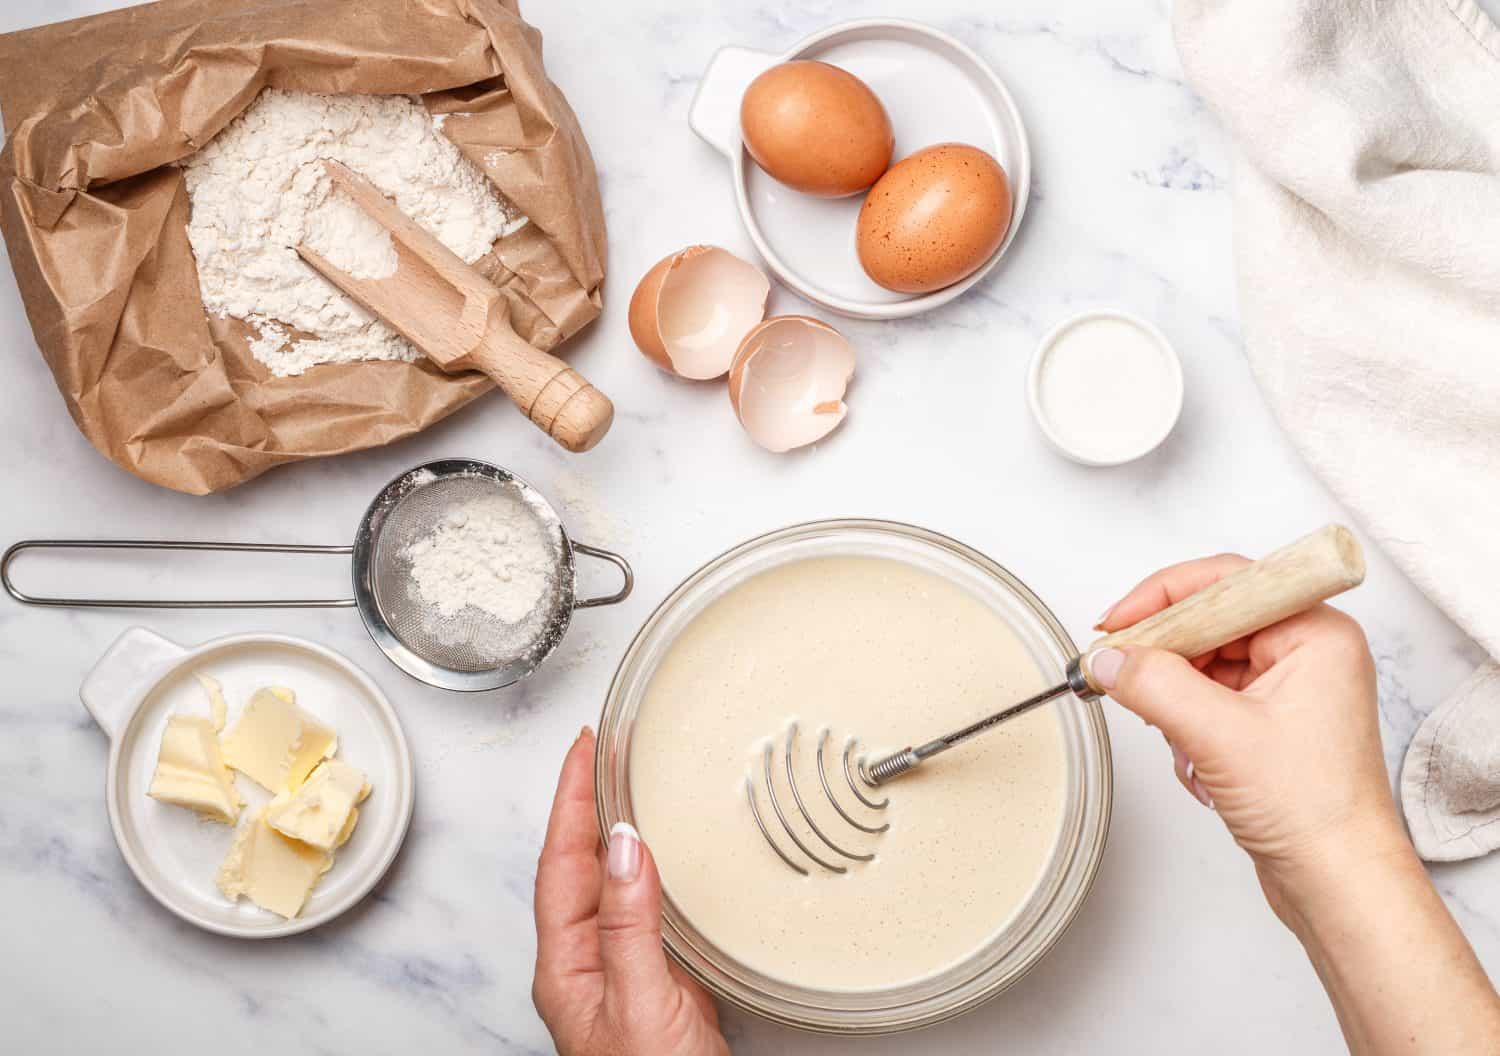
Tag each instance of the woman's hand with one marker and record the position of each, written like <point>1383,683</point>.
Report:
<point>603,984</point>
<point>1278,732</point>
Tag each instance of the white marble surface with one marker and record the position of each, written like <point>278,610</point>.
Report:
<point>1174,952</point>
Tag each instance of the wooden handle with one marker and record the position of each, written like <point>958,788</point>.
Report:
<point>460,320</point>
<point>1282,584</point>
<point>552,394</point>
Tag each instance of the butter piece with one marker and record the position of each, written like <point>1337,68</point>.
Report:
<point>323,811</point>
<point>217,708</point>
<point>272,871</point>
<point>190,770</point>
<point>275,743</point>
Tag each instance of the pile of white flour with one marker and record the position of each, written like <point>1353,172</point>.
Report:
<point>488,553</point>
<point>258,189</point>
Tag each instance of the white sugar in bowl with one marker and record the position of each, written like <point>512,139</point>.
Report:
<point>1105,388</point>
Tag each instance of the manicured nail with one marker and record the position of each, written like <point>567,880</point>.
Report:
<point>624,852</point>
<point>1099,623</point>
<point>1180,761</point>
<point>587,731</point>
<point>1187,771</point>
<point>1105,666</point>
<point>1202,794</point>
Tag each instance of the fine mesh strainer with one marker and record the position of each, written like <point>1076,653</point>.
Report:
<point>466,650</point>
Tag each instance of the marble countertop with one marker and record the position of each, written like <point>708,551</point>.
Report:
<point>1174,952</point>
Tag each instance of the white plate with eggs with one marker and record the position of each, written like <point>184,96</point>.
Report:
<point>175,853</point>
<point>935,90</point>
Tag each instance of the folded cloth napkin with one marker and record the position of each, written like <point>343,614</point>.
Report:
<point>1367,245</point>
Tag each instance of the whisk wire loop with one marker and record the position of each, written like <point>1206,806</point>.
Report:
<point>791,825</point>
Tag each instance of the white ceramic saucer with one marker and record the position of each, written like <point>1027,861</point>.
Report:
<point>174,853</point>
<point>935,89</point>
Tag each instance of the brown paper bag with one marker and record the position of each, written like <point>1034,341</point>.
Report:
<point>94,215</point>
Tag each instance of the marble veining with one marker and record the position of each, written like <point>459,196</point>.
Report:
<point>1175,950</point>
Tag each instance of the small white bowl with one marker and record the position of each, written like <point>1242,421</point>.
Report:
<point>1171,377</point>
<point>175,855</point>
<point>936,90</point>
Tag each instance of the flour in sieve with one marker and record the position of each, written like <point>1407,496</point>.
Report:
<point>258,189</point>
<point>488,553</point>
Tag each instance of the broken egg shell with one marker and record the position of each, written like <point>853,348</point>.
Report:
<point>788,380</point>
<point>690,311</point>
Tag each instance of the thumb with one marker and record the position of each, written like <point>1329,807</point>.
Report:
<point>636,978</point>
<point>1167,692</point>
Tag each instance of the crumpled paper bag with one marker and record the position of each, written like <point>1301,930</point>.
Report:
<point>94,215</point>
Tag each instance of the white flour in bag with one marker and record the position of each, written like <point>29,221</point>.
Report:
<point>258,190</point>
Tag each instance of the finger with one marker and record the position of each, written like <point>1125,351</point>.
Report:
<point>1232,674</point>
<point>636,975</point>
<point>568,874</point>
<point>1167,587</point>
<point>1239,649</point>
<point>1318,625</point>
<point>1193,710</point>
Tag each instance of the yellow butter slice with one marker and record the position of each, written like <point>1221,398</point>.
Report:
<point>276,743</point>
<point>218,709</point>
<point>274,872</point>
<point>322,812</point>
<point>190,770</point>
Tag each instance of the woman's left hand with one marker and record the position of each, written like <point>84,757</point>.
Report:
<point>603,984</point>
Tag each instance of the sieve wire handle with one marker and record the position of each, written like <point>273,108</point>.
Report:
<point>614,559</point>
<point>158,603</point>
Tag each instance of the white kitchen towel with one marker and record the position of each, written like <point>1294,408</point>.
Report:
<point>1367,244</point>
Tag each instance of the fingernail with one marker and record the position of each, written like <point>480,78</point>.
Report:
<point>1202,794</point>
<point>624,852</point>
<point>1105,666</point>
<point>1180,761</point>
<point>587,731</point>
<point>1099,623</point>
<point>1187,771</point>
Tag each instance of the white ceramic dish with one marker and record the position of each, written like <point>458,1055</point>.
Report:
<point>175,855</point>
<point>1172,378</point>
<point>934,88</point>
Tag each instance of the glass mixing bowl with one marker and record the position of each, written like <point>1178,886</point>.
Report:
<point>1063,883</point>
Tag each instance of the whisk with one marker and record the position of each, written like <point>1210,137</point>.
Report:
<point>1284,583</point>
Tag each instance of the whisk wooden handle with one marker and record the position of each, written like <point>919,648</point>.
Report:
<point>1291,580</point>
<point>553,395</point>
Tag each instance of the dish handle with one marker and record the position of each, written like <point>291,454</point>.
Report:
<point>715,113</point>
<point>108,690</point>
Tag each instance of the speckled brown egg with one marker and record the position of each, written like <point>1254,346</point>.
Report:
<point>816,128</point>
<point>934,218</point>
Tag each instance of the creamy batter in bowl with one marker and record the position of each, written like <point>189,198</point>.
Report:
<point>965,895</point>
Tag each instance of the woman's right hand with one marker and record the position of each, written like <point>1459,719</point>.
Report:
<point>1278,732</point>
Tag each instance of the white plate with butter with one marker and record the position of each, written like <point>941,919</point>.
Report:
<point>143,679</point>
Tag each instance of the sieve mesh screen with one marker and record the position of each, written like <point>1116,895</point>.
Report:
<point>470,640</point>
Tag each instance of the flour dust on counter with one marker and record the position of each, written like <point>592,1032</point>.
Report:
<point>258,190</point>
<point>881,649</point>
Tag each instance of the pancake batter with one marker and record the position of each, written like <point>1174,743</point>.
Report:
<point>894,654</point>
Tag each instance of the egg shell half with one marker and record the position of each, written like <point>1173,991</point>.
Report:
<point>788,381</point>
<point>934,218</point>
<point>691,309</point>
<point>816,128</point>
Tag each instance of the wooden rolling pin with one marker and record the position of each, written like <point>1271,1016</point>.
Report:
<point>459,320</point>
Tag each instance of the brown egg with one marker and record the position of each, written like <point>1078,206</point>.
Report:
<point>934,218</point>
<point>816,128</point>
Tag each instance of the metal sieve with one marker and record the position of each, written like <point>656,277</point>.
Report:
<point>466,650</point>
